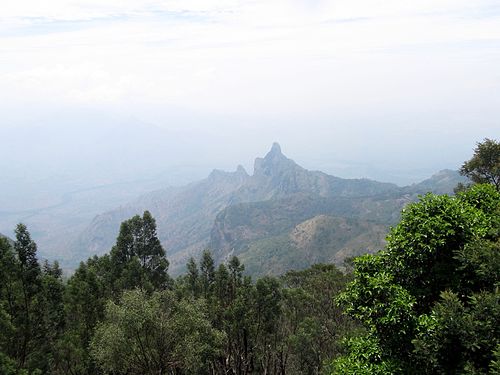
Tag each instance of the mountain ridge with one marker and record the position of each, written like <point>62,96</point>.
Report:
<point>195,216</point>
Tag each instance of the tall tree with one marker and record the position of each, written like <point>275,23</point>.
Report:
<point>30,271</point>
<point>30,277</point>
<point>193,277</point>
<point>138,256</point>
<point>312,323</point>
<point>52,305</point>
<point>85,297</point>
<point>484,166</point>
<point>207,272</point>
<point>267,315</point>
<point>236,271</point>
<point>8,291</point>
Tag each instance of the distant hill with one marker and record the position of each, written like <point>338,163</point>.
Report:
<point>61,170</point>
<point>440,183</point>
<point>282,216</point>
<point>278,236</point>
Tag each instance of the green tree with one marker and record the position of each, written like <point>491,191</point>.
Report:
<point>7,308</point>
<point>312,323</point>
<point>459,335</point>
<point>52,305</point>
<point>267,315</point>
<point>484,166</point>
<point>138,258</point>
<point>31,307</point>
<point>428,300</point>
<point>85,297</point>
<point>236,272</point>
<point>207,272</point>
<point>238,322</point>
<point>193,277</point>
<point>29,274</point>
<point>26,250</point>
<point>222,286</point>
<point>154,334</point>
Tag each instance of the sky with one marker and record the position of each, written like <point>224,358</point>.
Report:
<point>388,89</point>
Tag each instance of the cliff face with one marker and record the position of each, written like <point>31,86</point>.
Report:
<point>235,213</point>
<point>276,176</point>
<point>296,227</point>
<point>184,216</point>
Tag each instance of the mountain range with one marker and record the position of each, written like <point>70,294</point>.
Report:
<point>281,217</point>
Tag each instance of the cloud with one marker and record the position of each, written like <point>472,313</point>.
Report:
<point>242,57</point>
<point>76,10</point>
<point>396,82</point>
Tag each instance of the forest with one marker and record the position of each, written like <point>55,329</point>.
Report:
<point>428,303</point>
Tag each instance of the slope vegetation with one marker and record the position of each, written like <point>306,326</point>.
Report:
<point>257,216</point>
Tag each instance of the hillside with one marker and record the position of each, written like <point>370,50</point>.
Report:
<point>321,239</point>
<point>336,228</point>
<point>234,212</point>
<point>442,182</point>
<point>73,173</point>
<point>184,216</point>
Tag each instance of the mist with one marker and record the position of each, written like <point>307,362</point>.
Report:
<point>101,104</point>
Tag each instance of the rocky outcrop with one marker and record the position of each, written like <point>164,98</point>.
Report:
<point>231,212</point>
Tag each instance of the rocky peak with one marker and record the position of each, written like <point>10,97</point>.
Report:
<point>275,150</point>
<point>240,170</point>
<point>275,155</point>
<point>273,163</point>
<point>219,175</point>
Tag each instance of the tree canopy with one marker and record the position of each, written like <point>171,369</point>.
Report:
<point>484,166</point>
<point>138,257</point>
<point>429,301</point>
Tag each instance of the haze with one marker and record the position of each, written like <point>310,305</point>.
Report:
<point>112,98</point>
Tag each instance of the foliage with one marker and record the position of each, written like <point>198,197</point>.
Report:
<point>138,258</point>
<point>217,320</point>
<point>154,334</point>
<point>365,357</point>
<point>459,336</point>
<point>31,307</point>
<point>430,300</point>
<point>484,166</point>
<point>312,323</point>
<point>207,273</point>
<point>120,313</point>
<point>429,303</point>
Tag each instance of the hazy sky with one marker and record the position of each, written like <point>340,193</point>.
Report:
<point>399,83</point>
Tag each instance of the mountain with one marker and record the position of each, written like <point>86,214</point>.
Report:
<point>439,183</point>
<point>184,215</point>
<point>61,170</point>
<point>295,232</point>
<point>321,239</point>
<point>277,176</point>
<point>259,217</point>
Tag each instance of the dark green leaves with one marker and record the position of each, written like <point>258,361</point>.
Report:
<point>484,166</point>
<point>430,300</point>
